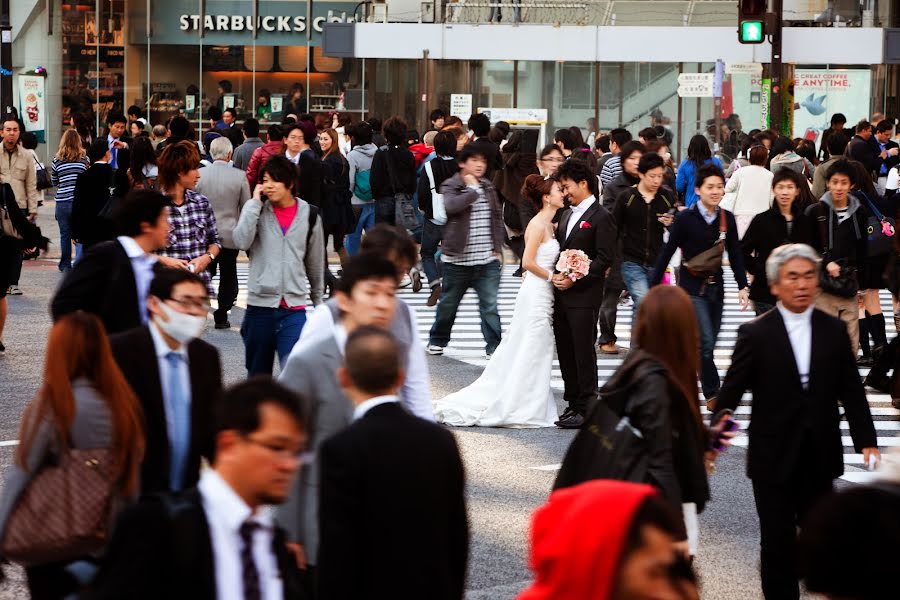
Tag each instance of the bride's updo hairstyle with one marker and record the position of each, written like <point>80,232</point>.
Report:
<point>535,188</point>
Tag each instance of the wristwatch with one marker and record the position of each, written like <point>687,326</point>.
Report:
<point>211,256</point>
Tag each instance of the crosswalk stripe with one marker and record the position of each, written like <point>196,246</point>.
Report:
<point>467,345</point>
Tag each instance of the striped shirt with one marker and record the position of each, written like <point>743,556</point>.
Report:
<point>480,245</point>
<point>63,175</point>
<point>611,169</point>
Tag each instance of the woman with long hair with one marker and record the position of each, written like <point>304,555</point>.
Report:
<point>84,403</point>
<point>656,389</point>
<point>193,236</point>
<point>749,191</point>
<point>143,169</point>
<point>698,154</point>
<point>337,213</point>
<point>70,162</point>
<point>514,388</point>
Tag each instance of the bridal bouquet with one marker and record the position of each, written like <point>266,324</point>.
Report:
<point>574,264</point>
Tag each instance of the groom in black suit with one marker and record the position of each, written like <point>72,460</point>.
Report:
<point>589,227</point>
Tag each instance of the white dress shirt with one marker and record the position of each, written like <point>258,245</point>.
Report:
<point>162,350</point>
<point>294,159</point>
<point>415,393</point>
<point>225,513</point>
<point>142,265</point>
<point>578,212</point>
<point>362,408</point>
<point>799,330</point>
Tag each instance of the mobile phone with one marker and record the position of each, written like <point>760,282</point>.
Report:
<point>263,198</point>
<point>728,425</point>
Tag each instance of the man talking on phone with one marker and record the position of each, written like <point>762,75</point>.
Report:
<point>797,362</point>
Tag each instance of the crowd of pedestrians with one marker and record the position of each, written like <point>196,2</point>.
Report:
<point>345,443</point>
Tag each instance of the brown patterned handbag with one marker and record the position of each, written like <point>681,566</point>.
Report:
<point>64,513</point>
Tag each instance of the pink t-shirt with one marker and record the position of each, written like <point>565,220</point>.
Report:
<point>285,216</point>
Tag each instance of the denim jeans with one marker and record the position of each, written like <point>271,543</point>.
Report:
<point>365,220</point>
<point>636,276</point>
<point>267,330</point>
<point>64,220</point>
<point>431,239</point>
<point>485,280</point>
<point>708,310</point>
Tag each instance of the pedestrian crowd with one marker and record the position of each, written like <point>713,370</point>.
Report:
<point>138,469</point>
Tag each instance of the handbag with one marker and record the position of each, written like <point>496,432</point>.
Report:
<point>7,229</point>
<point>438,210</point>
<point>880,230</point>
<point>608,445</point>
<point>708,262</point>
<point>65,512</point>
<point>845,285</point>
<point>43,178</point>
<point>404,212</point>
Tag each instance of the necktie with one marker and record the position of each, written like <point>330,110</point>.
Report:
<point>250,574</point>
<point>179,411</point>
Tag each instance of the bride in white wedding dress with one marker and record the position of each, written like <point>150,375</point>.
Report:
<point>514,389</point>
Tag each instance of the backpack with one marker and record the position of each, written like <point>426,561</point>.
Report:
<point>362,186</point>
<point>313,214</point>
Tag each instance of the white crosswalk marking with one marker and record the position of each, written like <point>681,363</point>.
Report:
<point>467,345</point>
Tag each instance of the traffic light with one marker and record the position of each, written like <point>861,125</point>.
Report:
<point>751,21</point>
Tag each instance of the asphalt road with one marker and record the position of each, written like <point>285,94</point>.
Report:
<point>505,478</point>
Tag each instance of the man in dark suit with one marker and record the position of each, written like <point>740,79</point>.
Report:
<point>177,377</point>
<point>797,362</point>
<point>589,227</point>
<point>112,279</point>
<point>888,152</point>
<point>392,490</point>
<point>216,540</point>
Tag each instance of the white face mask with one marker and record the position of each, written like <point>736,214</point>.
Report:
<point>180,326</point>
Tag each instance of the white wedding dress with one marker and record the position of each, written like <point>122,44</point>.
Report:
<point>514,389</point>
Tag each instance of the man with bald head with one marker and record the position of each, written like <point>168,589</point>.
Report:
<point>391,490</point>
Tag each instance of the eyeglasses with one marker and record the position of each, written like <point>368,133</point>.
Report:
<point>553,159</point>
<point>295,138</point>
<point>193,303</point>
<point>281,451</point>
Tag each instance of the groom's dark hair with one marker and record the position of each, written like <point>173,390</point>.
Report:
<point>372,360</point>
<point>577,171</point>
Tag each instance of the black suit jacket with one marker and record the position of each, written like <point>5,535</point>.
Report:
<point>598,240</point>
<point>162,548</point>
<point>392,514</point>
<point>136,355</point>
<point>790,427</point>
<point>91,194</point>
<point>102,283</point>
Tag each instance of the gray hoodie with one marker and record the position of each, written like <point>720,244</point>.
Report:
<point>792,161</point>
<point>360,159</point>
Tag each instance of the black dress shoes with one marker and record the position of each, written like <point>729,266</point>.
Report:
<point>877,381</point>
<point>573,421</point>
<point>566,414</point>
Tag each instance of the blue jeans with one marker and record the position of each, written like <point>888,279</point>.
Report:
<point>708,310</point>
<point>431,239</point>
<point>64,220</point>
<point>267,330</point>
<point>365,220</point>
<point>485,280</point>
<point>635,277</point>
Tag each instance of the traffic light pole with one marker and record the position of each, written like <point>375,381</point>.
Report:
<point>6,95</point>
<point>773,23</point>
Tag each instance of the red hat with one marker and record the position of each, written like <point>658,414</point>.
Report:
<point>577,539</point>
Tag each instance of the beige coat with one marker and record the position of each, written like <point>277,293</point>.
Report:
<point>19,171</point>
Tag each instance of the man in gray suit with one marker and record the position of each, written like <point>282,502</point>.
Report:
<point>366,296</point>
<point>227,190</point>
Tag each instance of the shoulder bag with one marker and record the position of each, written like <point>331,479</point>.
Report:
<point>404,211</point>
<point>708,262</point>
<point>65,512</point>
<point>7,229</point>
<point>43,178</point>
<point>438,211</point>
<point>845,285</point>
<point>880,230</point>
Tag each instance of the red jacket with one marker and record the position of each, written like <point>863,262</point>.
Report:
<point>577,539</point>
<point>259,158</point>
<point>420,152</point>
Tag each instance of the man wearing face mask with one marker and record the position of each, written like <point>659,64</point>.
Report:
<point>179,390</point>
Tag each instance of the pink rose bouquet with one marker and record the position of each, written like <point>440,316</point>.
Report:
<point>574,264</point>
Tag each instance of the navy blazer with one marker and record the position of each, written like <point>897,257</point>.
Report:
<point>694,235</point>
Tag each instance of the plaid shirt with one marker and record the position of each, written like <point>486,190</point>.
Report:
<point>192,230</point>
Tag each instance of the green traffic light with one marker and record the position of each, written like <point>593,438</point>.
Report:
<point>751,32</point>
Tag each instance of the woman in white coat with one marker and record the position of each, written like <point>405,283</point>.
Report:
<point>749,190</point>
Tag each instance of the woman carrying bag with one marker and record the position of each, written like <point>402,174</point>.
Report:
<point>83,428</point>
<point>657,436</point>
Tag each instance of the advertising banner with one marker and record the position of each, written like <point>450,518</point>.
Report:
<point>31,101</point>
<point>819,93</point>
